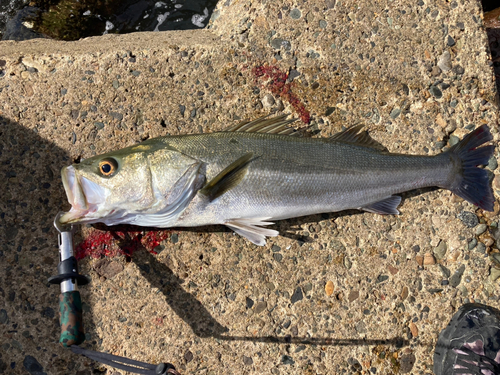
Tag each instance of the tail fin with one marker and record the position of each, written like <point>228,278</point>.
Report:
<point>472,183</point>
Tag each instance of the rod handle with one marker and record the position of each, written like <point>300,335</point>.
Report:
<point>70,318</point>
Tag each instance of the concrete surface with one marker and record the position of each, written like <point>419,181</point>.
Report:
<point>337,293</point>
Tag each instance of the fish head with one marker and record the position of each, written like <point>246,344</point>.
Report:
<point>107,186</point>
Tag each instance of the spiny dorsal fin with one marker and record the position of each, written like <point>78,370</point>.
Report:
<point>355,136</point>
<point>274,125</point>
<point>228,178</point>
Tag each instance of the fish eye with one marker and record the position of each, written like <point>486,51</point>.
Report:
<point>108,167</point>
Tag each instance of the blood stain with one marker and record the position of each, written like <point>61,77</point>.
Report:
<point>111,243</point>
<point>279,87</point>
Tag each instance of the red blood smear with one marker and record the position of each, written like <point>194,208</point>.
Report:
<point>119,242</point>
<point>279,87</point>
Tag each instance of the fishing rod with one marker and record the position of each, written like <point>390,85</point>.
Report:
<point>71,313</point>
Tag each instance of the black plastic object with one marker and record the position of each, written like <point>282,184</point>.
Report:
<point>68,269</point>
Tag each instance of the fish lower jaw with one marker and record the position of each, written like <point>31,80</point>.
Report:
<point>74,216</point>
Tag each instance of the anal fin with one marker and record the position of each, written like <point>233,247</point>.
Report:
<point>251,229</point>
<point>387,206</point>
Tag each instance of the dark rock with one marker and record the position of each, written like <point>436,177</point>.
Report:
<point>287,360</point>
<point>469,219</point>
<point>297,295</point>
<point>292,74</point>
<point>188,356</point>
<point>329,111</point>
<point>450,41</point>
<point>4,318</point>
<point>249,303</point>
<point>436,92</point>
<point>33,366</point>
<point>278,257</point>
<point>457,69</point>
<point>247,360</point>
<point>48,312</point>
<point>406,363</point>
<point>457,276</point>
<point>382,278</point>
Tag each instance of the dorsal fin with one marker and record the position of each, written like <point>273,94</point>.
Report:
<point>355,135</point>
<point>228,178</point>
<point>274,125</point>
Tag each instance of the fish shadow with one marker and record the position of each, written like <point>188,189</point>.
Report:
<point>203,324</point>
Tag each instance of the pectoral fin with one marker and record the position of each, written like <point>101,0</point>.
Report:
<point>249,229</point>
<point>228,178</point>
<point>387,206</point>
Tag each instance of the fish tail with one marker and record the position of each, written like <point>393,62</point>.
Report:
<point>470,182</point>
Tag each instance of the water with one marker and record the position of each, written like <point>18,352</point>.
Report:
<point>8,9</point>
<point>114,17</point>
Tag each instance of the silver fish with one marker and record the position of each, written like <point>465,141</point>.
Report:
<point>256,172</point>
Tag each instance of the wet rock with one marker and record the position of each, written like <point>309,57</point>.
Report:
<point>15,28</point>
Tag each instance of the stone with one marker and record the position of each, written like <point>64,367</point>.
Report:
<point>297,295</point>
<point>469,219</point>
<point>456,278</point>
<point>440,250</point>
<point>329,288</point>
<point>429,259</point>
<point>444,62</point>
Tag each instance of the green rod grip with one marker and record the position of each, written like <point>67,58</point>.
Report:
<point>70,318</point>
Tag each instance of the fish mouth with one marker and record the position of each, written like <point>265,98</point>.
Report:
<point>84,196</point>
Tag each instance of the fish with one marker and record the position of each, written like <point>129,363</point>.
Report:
<point>255,173</point>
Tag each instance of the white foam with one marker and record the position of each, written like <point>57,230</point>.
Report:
<point>198,19</point>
